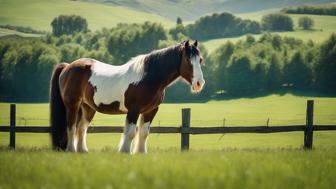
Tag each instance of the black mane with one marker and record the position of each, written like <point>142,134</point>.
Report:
<point>162,65</point>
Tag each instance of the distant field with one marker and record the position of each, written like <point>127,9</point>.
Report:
<point>324,27</point>
<point>4,32</point>
<point>282,110</point>
<point>39,13</point>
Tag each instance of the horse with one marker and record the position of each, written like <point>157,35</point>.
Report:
<point>80,89</point>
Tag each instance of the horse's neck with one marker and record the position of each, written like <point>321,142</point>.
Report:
<point>163,70</point>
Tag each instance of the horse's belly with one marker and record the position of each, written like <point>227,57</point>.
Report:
<point>112,108</point>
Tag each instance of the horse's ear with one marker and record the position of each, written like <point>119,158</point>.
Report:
<point>195,43</point>
<point>186,44</point>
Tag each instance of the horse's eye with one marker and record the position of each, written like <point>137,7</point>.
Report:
<point>201,60</point>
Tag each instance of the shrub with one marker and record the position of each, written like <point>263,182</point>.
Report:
<point>277,22</point>
<point>306,23</point>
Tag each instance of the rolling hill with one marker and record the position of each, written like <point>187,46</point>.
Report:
<point>323,28</point>
<point>191,10</point>
<point>39,13</point>
<point>101,13</point>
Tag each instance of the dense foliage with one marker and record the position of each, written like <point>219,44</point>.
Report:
<point>217,26</point>
<point>26,63</point>
<point>68,24</point>
<point>310,9</point>
<point>277,22</point>
<point>128,40</point>
<point>249,67</point>
<point>273,63</point>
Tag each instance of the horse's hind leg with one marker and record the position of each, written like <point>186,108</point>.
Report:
<point>72,114</point>
<point>86,115</point>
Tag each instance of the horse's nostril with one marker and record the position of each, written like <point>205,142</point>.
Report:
<point>198,83</point>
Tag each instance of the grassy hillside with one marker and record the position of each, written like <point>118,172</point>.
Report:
<point>323,28</point>
<point>191,10</point>
<point>39,13</point>
<point>282,110</point>
<point>5,32</point>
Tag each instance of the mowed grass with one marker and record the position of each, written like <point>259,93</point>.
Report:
<point>324,26</point>
<point>280,110</point>
<point>230,168</point>
<point>38,14</point>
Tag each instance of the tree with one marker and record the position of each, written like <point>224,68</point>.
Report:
<point>128,40</point>
<point>221,25</point>
<point>273,76</point>
<point>259,73</point>
<point>306,23</point>
<point>326,66</point>
<point>221,60</point>
<point>297,73</point>
<point>277,22</point>
<point>179,21</point>
<point>68,24</point>
<point>239,78</point>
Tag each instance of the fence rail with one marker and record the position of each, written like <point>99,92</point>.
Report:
<point>185,130</point>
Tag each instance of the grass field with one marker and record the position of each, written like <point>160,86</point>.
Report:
<point>4,32</point>
<point>324,27</point>
<point>291,168</point>
<point>38,14</point>
<point>214,161</point>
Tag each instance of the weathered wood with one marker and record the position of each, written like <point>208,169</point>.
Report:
<point>191,130</point>
<point>95,129</point>
<point>185,125</point>
<point>308,132</point>
<point>324,127</point>
<point>12,126</point>
<point>257,129</point>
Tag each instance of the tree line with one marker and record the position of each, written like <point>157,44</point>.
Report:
<point>251,66</point>
<point>273,63</point>
<point>310,9</point>
<point>219,25</point>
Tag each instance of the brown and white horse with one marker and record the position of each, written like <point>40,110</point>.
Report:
<point>137,88</point>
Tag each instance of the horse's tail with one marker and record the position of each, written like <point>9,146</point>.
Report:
<point>58,121</point>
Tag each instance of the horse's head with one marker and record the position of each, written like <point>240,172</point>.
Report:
<point>190,68</point>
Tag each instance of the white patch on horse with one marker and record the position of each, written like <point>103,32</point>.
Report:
<point>141,137</point>
<point>111,82</point>
<point>197,73</point>
<point>125,144</point>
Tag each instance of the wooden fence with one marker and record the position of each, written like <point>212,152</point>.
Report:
<point>185,130</point>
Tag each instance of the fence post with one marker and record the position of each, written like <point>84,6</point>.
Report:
<point>12,126</point>
<point>185,124</point>
<point>308,132</point>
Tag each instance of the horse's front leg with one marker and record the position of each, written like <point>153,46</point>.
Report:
<point>143,131</point>
<point>129,131</point>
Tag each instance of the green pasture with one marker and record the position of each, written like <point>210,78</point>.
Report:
<point>324,26</point>
<point>38,14</point>
<point>230,168</point>
<point>256,161</point>
<point>4,32</point>
<point>281,110</point>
